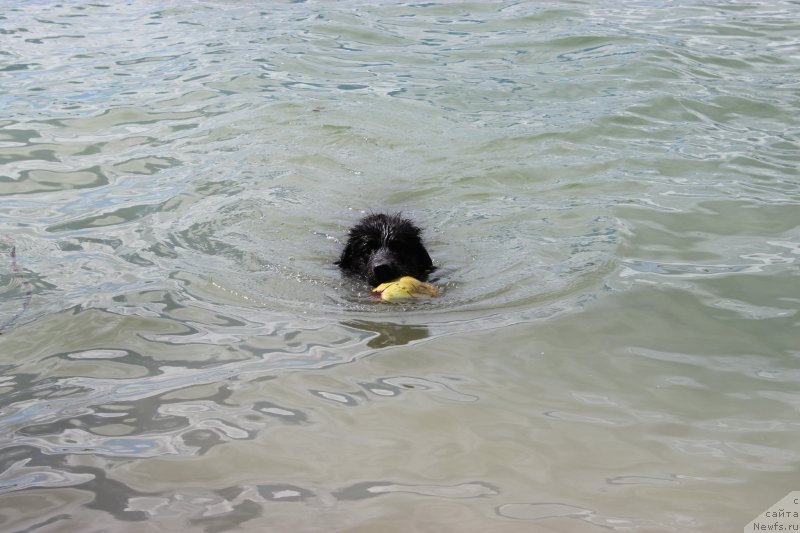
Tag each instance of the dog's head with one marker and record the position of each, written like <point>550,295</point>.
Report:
<point>382,247</point>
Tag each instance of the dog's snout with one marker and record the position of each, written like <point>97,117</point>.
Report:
<point>384,272</point>
<point>384,266</point>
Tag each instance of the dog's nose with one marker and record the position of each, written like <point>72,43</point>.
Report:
<point>384,272</point>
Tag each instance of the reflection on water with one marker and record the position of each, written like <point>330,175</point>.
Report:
<point>609,192</point>
<point>389,334</point>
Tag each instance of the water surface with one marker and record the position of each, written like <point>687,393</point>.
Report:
<point>610,193</point>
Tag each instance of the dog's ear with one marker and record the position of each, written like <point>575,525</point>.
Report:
<point>425,259</point>
<point>347,260</point>
<point>346,257</point>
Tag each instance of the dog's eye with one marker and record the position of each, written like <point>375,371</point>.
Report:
<point>368,244</point>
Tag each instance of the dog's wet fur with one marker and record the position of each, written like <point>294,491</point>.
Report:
<point>383,247</point>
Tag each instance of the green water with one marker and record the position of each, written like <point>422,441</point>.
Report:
<point>610,192</point>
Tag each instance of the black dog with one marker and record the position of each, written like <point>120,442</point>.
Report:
<point>381,248</point>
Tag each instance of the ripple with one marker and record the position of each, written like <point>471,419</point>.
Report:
<point>19,476</point>
<point>369,489</point>
<point>538,511</point>
<point>550,511</point>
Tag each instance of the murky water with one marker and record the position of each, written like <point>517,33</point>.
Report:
<point>610,191</point>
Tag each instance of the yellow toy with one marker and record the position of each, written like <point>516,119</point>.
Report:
<point>403,289</point>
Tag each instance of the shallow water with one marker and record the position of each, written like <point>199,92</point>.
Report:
<point>610,192</point>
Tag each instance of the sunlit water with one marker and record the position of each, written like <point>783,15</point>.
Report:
<point>610,191</point>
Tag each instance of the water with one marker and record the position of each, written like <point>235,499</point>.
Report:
<point>610,192</point>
